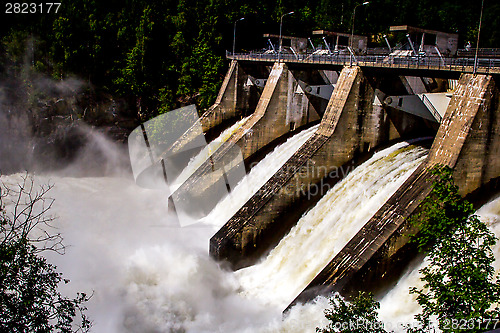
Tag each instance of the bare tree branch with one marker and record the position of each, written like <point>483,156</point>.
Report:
<point>29,218</point>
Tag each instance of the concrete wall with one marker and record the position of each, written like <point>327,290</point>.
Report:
<point>258,131</point>
<point>277,113</point>
<point>248,234</point>
<point>225,103</point>
<point>479,159</point>
<point>281,109</point>
<point>468,140</point>
<point>233,101</point>
<point>354,122</point>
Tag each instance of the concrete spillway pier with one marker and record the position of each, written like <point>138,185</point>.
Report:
<point>234,100</point>
<point>353,122</point>
<point>235,241</point>
<point>278,112</point>
<point>468,140</point>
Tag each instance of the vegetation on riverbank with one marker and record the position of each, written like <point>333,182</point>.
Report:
<point>461,289</point>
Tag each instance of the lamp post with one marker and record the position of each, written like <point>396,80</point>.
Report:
<point>234,33</point>
<point>281,26</point>
<point>352,28</point>
<point>478,33</point>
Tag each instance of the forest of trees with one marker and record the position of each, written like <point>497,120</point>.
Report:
<point>163,54</point>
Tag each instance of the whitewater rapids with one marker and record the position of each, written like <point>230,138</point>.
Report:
<point>321,233</point>
<point>149,275</point>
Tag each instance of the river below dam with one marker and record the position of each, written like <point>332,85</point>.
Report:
<point>148,274</point>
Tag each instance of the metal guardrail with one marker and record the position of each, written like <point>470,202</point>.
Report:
<point>431,108</point>
<point>481,53</point>
<point>464,65</point>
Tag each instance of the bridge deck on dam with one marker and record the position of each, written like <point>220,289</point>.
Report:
<point>429,66</point>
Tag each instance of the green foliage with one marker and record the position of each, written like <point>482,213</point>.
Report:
<point>133,76</point>
<point>460,287</point>
<point>460,283</point>
<point>165,98</point>
<point>442,211</point>
<point>15,46</point>
<point>29,297</point>
<point>30,300</point>
<point>358,316</point>
<point>135,48</point>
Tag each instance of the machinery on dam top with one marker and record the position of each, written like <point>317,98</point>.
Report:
<point>405,47</point>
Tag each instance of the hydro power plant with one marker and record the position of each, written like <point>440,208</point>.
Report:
<point>363,104</point>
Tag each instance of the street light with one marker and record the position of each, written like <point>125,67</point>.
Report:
<point>281,25</point>
<point>353,15</point>
<point>234,33</point>
<point>478,33</point>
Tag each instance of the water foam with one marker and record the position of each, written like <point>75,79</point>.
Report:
<point>324,230</point>
<point>257,177</point>
<point>149,275</point>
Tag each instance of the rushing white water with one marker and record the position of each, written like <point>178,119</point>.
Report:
<point>149,275</point>
<point>204,154</point>
<point>257,177</point>
<point>399,306</point>
<point>146,273</point>
<point>324,230</point>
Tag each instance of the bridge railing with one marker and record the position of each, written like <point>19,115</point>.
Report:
<point>462,64</point>
<point>481,52</point>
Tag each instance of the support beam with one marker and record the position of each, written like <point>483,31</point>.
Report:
<point>260,223</point>
<point>428,106</point>
<point>266,124</point>
<point>469,133</point>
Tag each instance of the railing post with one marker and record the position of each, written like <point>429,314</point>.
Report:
<point>486,65</point>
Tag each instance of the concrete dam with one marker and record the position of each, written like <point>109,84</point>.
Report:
<point>352,112</point>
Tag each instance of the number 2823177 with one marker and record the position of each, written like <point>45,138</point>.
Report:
<point>31,7</point>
